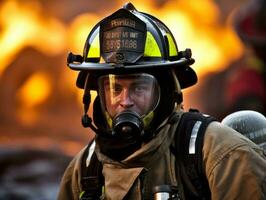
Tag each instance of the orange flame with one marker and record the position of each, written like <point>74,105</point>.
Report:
<point>35,91</point>
<point>31,94</point>
<point>23,25</point>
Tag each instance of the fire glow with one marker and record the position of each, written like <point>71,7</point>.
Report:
<point>192,26</point>
<point>195,25</point>
<point>22,25</point>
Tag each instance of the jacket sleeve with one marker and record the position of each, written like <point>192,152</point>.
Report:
<point>70,187</point>
<point>235,166</point>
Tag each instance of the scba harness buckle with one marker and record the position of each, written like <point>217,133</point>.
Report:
<point>91,188</point>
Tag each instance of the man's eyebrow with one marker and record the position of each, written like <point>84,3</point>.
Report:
<point>107,83</point>
<point>142,81</point>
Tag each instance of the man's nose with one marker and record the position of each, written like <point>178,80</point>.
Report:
<point>126,100</point>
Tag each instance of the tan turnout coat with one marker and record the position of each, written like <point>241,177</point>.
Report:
<point>235,168</point>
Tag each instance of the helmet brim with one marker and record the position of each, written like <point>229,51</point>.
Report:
<point>185,74</point>
<point>109,67</point>
<point>186,77</point>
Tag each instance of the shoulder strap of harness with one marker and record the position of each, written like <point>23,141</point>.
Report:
<point>189,143</point>
<point>92,179</point>
<point>188,150</point>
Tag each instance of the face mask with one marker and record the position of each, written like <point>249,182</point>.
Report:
<point>128,124</point>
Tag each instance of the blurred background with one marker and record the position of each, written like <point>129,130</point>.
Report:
<point>40,106</point>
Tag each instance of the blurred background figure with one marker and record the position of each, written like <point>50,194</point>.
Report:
<point>246,88</point>
<point>241,85</point>
<point>250,123</point>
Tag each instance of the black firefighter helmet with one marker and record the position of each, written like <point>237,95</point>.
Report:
<point>129,41</point>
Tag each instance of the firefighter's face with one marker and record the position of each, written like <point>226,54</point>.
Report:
<point>135,92</point>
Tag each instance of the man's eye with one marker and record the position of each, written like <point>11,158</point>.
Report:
<point>140,88</point>
<point>117,89</point>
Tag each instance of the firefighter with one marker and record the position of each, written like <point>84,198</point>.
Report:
<point>145,144</point>
<point>245,85</point>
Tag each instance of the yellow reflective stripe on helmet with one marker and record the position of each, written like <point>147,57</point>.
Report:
<point>151,47</point>
<point>172,46</point>
<point>94,51</point>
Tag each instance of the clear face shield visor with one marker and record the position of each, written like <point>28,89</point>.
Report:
<point>138,93</point>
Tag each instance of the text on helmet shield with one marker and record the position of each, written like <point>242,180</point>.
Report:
<point>122,38</point>
<point>123,22</point>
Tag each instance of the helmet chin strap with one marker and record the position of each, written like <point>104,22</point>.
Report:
<point>178,95</point>
<point>86,119</point>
